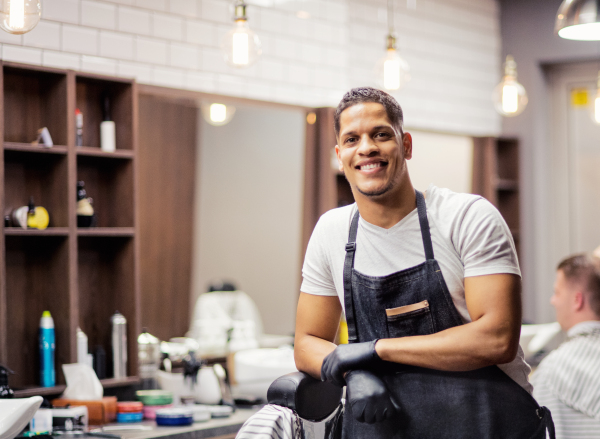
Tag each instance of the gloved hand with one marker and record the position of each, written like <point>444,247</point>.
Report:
<point>347,357</point>
<point>368,397</point>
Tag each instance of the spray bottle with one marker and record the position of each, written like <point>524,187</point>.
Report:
<point>47,346</point>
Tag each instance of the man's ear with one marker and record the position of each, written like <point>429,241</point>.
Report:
<point>407,146</point>
<point>337,154</point>
<point>578,300</point>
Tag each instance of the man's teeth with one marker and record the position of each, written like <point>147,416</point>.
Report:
<point>370,166</point>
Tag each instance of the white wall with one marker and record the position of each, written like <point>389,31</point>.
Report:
<point>249,209</point>
<point>445,160</point>
<point>451,45</point>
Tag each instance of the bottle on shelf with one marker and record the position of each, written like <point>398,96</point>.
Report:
<point>85,210</point>
<point>119,345</point>
<point>78,127</point>
<point>5,390</point>
<point>107,128</point>
<point>47,347</point>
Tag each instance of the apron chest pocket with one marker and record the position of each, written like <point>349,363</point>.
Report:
<point>408,320</point>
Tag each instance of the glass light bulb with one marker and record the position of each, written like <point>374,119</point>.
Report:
<point>218,113</point>
<point>241,46</point>
<point>510,97</point>
<point>392,72</point>
<point>19,16</point>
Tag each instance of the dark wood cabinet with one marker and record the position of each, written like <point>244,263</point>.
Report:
<point>81,275</point>
<point>496,177</point>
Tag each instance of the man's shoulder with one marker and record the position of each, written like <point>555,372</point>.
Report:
<point>451,207</point>
<point>569,355</point>
<point>338,217</point>
<point>446,199</point>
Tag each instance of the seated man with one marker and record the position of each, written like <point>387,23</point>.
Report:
<point>567,381</point>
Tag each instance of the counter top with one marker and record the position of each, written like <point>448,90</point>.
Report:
<point>198,430</point>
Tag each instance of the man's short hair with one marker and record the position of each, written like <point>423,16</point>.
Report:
<point>584,269</point>
<point>369,94</point>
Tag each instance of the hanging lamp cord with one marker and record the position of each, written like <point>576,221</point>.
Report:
<point>390,15</point>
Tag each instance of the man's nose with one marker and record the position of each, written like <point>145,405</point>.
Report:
<point>367,146</point>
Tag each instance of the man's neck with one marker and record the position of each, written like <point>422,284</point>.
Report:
<point>388,211</point>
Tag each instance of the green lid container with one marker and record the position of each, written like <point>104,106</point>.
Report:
<point>154,397</point>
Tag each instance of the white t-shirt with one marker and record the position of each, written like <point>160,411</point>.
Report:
<point>469,236</point>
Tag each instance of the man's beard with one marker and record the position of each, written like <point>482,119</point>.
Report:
<point>377,192</point>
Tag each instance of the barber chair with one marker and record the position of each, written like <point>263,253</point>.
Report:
<point>318,404</point>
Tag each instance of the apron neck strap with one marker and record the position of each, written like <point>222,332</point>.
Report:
<point>424,223</point>
<point>348,265</point>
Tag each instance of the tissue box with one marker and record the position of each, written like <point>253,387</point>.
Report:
<point>100,412</point>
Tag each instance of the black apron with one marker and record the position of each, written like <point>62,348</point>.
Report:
<point>480,404</point>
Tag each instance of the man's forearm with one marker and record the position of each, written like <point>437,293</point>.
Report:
<point>461,348</point>
<point>309,352</point>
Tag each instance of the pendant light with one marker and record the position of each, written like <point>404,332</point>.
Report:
<point>510,97</point>
<point>241,45</point>
<point>578,20</point>
<point>217,114</point>
<point>19,16</point>
<point>391,71</point>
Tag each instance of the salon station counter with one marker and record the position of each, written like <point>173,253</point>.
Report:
<point>217,428</point>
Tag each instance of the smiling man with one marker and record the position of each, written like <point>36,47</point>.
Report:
<point>430,286</point>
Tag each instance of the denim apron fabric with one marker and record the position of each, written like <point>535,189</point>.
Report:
<point>480,404</point>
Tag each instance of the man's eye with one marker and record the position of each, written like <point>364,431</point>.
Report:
<point>350,139</point>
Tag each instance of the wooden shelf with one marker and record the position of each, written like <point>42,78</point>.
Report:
<point>91,151</point>
<point>80,275</point>
<point>106,231</point>
<point>496,177</point>
<point>56,390</point>
<point>28,147</point>
<point>41,391</point>
<point>504,184</point>
<point>50,231</point>
<point>119,382</point>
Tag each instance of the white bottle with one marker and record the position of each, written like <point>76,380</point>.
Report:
<point>108,142</point>
<point>82,347</point>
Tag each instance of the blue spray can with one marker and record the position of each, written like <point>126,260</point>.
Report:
<point>47,345</point>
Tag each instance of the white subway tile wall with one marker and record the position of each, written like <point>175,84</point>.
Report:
<point>313,50</point>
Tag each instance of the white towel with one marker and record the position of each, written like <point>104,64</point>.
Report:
<point>272,422</point>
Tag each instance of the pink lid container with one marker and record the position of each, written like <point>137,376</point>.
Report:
<point>150,410</point>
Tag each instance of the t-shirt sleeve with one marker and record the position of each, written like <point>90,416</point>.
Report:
<point>485,243</point>
<point>316,272</point>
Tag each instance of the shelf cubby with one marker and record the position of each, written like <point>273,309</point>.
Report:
<point>37,279</point>
<point>109,183</point>
<point>106,270</point>
<point>33,99</point>
<point>42,176</point>
<point>90,92</point>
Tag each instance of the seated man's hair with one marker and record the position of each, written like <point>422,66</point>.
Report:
<point>584,269</point>
<point>369,94</point>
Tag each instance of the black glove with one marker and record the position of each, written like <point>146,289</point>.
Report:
<point>368,397</point>
<point>347,357</point>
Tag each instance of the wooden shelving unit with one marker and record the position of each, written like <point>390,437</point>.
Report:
<point>81,275</point>
<point>496,177</point>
